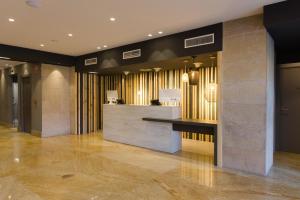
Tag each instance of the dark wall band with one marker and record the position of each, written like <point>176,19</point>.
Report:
<point>155,50</point>
<point>35,56</point>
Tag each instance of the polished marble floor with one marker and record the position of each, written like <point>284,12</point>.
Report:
<point>88,168</point>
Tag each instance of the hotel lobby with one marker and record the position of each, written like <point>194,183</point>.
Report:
<point>149,99</point>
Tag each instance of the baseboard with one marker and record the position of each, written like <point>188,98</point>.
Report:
<point>36,133</point>
<point>9,125</point>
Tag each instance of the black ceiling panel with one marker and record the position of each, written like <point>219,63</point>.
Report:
<point>154,50</point>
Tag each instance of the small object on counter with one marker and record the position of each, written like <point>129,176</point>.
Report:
<point>155,102</point>
<point>120,101</point>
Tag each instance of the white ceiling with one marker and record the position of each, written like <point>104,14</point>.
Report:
<point>88,21</point>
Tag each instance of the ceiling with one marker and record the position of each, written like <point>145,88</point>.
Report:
<point>89,21</point>
<point>8,63</point>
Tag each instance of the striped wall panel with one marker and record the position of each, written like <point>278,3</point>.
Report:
<point>87,103</point>
<point>198,102</point>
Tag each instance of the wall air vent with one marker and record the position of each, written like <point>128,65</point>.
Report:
<point>199,40</point>
<point>132,54</point>
<point>90,61</point>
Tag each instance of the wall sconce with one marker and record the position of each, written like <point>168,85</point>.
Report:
<point>211,92</point>
<point>185,75</point>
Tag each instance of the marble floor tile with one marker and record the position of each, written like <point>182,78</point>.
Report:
<point>88,168</point>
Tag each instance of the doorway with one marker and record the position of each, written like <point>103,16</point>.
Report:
<point>15,101</point>
<point>25,114</point>
<point>288,138</point>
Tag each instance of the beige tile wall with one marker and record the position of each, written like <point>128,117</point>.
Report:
<point>56,100</point>
<point>247,89</point>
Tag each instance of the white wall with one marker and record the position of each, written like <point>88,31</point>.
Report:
<point>270,109</point>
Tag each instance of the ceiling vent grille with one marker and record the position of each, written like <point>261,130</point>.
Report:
<point>199,41</point>
<point>90,61</point>
<point>132,54</point>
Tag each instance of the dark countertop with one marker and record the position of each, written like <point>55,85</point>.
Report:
<point>195,122</point>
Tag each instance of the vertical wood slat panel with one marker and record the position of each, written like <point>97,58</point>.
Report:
<point>139,89</point>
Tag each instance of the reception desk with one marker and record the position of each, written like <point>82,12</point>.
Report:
<point>125,124</point>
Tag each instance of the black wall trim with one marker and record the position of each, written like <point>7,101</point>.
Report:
<point>35,56</point>
<point>155,50</point>
<point>282,21</point>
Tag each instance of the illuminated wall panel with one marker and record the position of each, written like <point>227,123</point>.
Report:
<point>198,101</point>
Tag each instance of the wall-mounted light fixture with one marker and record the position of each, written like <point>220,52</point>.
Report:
<point>212,87</point>
<point>211,92</point>
<point>185,75</point>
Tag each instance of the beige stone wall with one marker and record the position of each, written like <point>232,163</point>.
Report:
<point>5,98</point>
<point>73,101</point>
<point>56,100</point>
<point>36,100</point>
<point>246,96</point>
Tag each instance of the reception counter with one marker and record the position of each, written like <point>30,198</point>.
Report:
<point>125,124</point>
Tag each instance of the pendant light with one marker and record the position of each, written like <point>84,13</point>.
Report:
<point>185,75</point>
<point>194,74</point>
<point>193,77</point>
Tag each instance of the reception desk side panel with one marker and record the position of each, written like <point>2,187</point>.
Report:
<point>124,124</point>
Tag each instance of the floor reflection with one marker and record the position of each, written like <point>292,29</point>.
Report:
<point>199,169</point>
<point>87,167</point>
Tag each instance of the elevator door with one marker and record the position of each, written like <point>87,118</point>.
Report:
<point>289,125</point>
<point>15,99</point>
<point>26,105</point>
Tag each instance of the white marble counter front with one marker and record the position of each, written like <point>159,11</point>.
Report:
<point>124,124</point>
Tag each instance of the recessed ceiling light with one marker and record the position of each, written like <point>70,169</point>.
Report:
<point>150,35</point>
<point>198,64</point>
<point>104,46</point>
<point>112,19</point>
<point>156,69</point>
<point>126,72</point>
<point>33,3</point>
<point>42,45</point>
<point>70,35</point>
<point>98,48</point>
<point>5,58</point>
<point>11,19</point>
<point>160,32</point>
